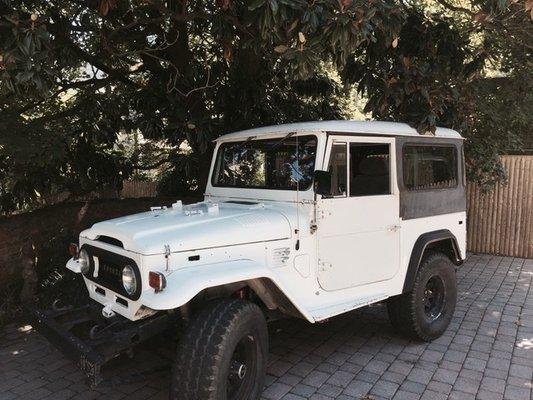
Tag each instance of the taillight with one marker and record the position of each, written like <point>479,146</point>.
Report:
<point>157,281</point>
<point>73,250</point>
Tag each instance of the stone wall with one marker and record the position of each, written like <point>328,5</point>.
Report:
<point>27,239</point>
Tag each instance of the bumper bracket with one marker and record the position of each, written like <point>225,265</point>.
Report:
<point>91,340</point>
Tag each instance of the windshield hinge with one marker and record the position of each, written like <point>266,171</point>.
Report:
<point>167,254</point>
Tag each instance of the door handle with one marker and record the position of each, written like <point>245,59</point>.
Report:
<point>394,228</point>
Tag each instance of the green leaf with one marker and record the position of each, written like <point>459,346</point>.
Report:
<point>255,4</point>
<point>274,6</point>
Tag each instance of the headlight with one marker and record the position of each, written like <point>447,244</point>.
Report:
<point>128,280</point>
<point>84,260</point>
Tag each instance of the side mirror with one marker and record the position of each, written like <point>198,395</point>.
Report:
<point>322,182</point>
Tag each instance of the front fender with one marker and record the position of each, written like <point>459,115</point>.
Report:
<point>184,284</point>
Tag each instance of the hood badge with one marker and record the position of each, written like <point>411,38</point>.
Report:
<point>167,254</point>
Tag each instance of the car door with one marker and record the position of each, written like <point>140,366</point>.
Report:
<point>358,225</point>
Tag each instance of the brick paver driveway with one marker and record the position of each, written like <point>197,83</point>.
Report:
<point>487,353</point>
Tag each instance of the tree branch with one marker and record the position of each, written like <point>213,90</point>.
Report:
<point>451,7</point>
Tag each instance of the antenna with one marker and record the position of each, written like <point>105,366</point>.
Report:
<point>298,174</point>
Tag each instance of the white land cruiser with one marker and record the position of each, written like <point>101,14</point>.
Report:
<point>309,220</point>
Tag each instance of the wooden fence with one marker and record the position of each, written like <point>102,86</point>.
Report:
<point>137,189</point>
<point>501,221</point>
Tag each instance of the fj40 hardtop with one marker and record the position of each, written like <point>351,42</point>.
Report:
<point>308,220</point>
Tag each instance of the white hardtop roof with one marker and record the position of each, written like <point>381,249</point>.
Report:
<point>358,127</point>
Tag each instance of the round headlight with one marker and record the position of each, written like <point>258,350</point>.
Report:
<point>84,260</point>
<point>128,280</point>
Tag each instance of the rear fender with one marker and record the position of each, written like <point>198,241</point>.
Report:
<point>184,284</point>
<point>424,242</point>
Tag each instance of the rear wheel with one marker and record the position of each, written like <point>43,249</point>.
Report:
<point>222,355</point>
<point>425,312</point>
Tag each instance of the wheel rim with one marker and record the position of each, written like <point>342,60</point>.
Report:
<point>433,300</point>
<point>242,371</point>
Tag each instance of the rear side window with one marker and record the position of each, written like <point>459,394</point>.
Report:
<point>429,167</point>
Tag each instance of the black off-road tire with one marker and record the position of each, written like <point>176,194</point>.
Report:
<point>408,312</point>
<point>204,355</point>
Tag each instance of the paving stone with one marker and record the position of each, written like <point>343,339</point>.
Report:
<point>445,375</point>
<point>414,387</point>
<point>466,385</point>
<point>315,378</point>
<point>420,376</point>
<point>291,396</point>
<point>358,388</point>
<point>302,369</point>
<point>495,385</point>
<point>276,391</point>
<point>330,390</point>
<point>521,371</point>
<point>481,356</point>
<point>377,366</point>
<point>341,378</point>
<point>303,390</point>
<point>393,377</point>
<point>384,389</point>
<point>403,395</point>
<point>483,394</point>
<point>431,395</point>
<point>440,387</point>
<point>516,393</point>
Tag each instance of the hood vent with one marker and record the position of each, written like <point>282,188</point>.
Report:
<point>110,240</point>
<point>244,203</point>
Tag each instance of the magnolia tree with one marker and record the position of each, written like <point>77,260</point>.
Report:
<point>76,75</point>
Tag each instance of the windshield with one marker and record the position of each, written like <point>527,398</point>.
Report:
<point>266,164</point>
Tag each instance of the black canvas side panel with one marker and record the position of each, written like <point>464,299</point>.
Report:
<point>428,202</point>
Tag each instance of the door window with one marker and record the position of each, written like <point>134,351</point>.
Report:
<point>338,167</point>
<point>369,169</point>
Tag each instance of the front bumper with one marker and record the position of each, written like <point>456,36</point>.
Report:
<point>91,340</point>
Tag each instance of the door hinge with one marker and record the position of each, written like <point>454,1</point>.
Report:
<point>313,228</point>
<point>324,266</point>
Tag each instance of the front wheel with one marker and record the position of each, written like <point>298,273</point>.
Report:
<point>222,355</point>
<point>425,312</point>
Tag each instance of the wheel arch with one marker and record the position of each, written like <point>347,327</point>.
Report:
<point>223,279</point>
<point>261,289</point>
<point>442,240</point>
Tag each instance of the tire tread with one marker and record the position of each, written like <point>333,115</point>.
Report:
<point>195,369</point>
<point>402,308</point>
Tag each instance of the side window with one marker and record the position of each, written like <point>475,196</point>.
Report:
<point>338,167</point>
<point>429,167</point>
<point>369,169</point>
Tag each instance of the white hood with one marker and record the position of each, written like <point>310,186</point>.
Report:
<point>192,227</point>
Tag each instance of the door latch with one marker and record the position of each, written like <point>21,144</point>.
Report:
<point>394,228</point>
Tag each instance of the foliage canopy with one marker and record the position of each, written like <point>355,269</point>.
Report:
<point>78,75</point>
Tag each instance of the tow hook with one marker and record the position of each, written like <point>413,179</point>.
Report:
<point>107,311</point>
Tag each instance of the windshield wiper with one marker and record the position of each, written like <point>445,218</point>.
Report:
<point>242,145</point>
<point>280,142</point>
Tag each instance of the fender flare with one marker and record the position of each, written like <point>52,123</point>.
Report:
<point>183,284</point>
<point>419,248</point>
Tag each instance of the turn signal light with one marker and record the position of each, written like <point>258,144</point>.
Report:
<point>73,250</point>
<point>157,281</point>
